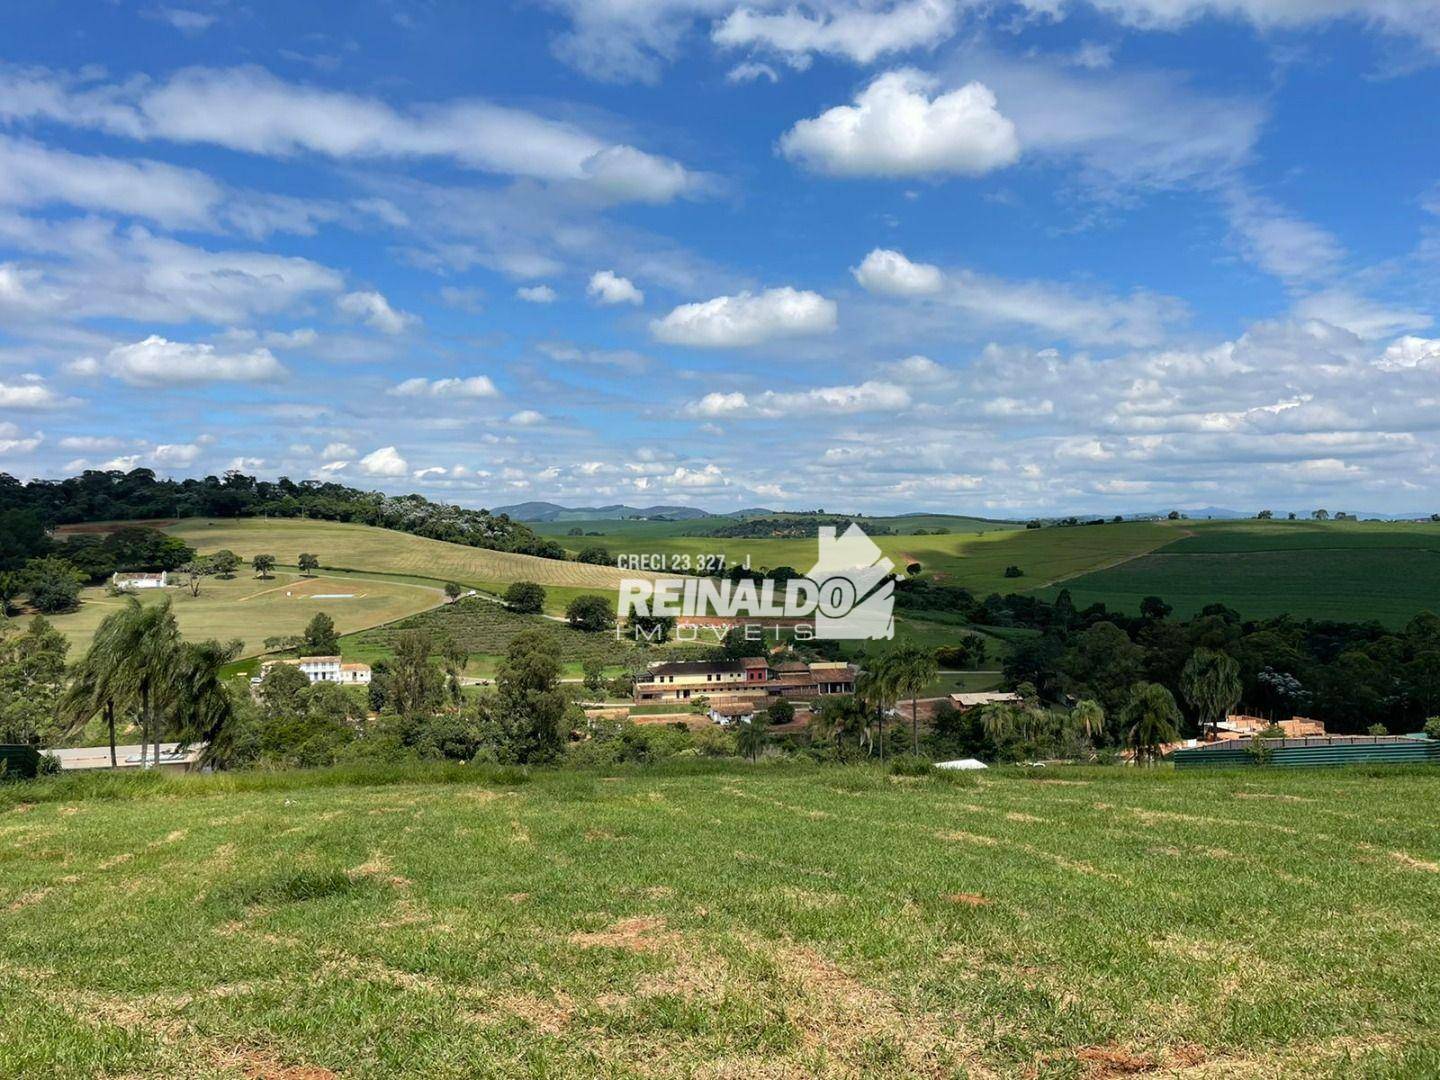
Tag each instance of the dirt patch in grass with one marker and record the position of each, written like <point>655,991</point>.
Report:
<point>968,899</point>
<point>643,934</point>
<point>1105,1061</point>
<point>1413,863</point>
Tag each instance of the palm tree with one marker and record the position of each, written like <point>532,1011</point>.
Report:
<point>1211,683</point>
<point>1089,717</point>
<point>204,708</point>
<point>875,692</point>
<point>1150,720</point>
<point>99,683</point>
<point>150,665</point>
<point>1000,721</point>
<point>751,738</point>
<point>913,668</point>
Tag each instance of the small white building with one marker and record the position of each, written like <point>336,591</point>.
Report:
<point>140,581</point>
<point>733,712</point>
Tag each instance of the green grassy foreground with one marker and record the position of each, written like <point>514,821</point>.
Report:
<point>721,920</point>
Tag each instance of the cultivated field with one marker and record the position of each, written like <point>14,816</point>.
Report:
<point>1335,570</point>
<point>253,609</point>
<point>723,920</point>
<point>486,629</point>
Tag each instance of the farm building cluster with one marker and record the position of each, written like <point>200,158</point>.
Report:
<point>752,681</point>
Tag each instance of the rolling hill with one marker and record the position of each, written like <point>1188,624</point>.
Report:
<point>529,512</point>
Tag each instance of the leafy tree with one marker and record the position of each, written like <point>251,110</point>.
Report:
<point>1321,515</point>
<point>11,586</point>
<point>594,669</point>
<point>1102,664</point>
<point>308,563</point>
<point>32,678</point>
<point>415,685</point>
<point>530,707</point>
<point>591,613</point>
<point>453,657</point>
<point>594,554</point>
<point>1265,515</point>
<point>321,637</point>
<point>1211,684</point>
<point>282,691</point>
<point>1014,572</point>
<point>53,585</point>
<point>263,564</point>
<point>525,597</point>
<point>452,591</point>
<point>1432,727</point>
<point>1152,607</point>
<point>652,629</point>
<point>780,712</point>
<point>1377,729</point>
<point>225,562</point>
<point>1150,718</point>
<point>195,572</point>
<point>913,568</point>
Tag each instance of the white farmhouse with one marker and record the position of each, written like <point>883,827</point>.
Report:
<point>329,669</point>
<point>140,581</point>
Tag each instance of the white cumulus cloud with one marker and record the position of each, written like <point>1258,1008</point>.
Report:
<point>384,462</point>
<point>747,319</point>
<point>157,361</point>
<point>896,128</point>
<point>891,274</point>
<point>609,287</point>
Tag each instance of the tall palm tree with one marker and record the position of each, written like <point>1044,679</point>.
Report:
<point>875,692</point>
<point>150,666</point>
<point>913,669</point>
<point>1151,718</point>
<point>99,683</point>
<point>1088,717</point>
<point>204,708</point>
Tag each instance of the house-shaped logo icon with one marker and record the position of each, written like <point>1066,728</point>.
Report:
<point>857,587</point>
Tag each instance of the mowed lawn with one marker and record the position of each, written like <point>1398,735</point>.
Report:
<point>1337,570</point>
<point>252,609</point>
<point>725,920</point>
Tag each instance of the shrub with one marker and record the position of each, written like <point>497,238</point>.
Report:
<point>1432,727</point>
<point>781,712</point>
<point>1014,571</point>
<point>911,765</point>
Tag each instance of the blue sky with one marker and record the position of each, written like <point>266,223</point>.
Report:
<point>984,257</point>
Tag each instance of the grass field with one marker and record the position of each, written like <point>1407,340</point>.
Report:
<point>722,920</point>
<point>1335,570</point>
<point>253,609</point>
<point>360,547</point>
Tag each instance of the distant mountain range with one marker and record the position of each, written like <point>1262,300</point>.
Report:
<point>546,511</point>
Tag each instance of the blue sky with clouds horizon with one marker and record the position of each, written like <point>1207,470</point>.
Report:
<point>981,257</point>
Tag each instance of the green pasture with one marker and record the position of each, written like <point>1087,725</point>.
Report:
<point>721,920</point>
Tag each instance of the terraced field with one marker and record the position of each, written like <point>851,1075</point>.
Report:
<point>721,920</point>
